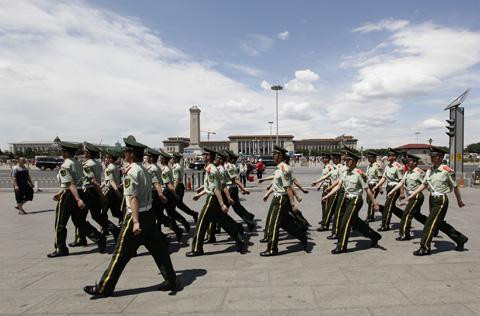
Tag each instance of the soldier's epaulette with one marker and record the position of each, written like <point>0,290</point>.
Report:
<point>398,165</point>
<point>418,170</point>
<point>282,167</point>
<point>209,169</point>
<point>446,168</point>
<point>360,171</point>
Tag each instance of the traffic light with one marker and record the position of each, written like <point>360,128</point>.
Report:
<point>450,127</point>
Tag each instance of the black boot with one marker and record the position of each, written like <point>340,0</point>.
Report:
<point>56,254</point>
<point>460,245</point>
<point>421,252</point>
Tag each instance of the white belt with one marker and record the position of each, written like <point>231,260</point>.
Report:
<point>278,194</point>
<point>351,196</point>
<point>437,194</point>
<point>141,209</point>
<point>373,182</point>
<point>392,183</point>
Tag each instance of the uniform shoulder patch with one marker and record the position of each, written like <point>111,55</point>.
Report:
<point>360,171</point>
<point>398,165</point>
<point>108,172</point>
<point>418,170</point>
<point>209,169</point>
<point>127,183</point>
<point>282,167</point>
<point>447,168</point>
<point>63,172</point>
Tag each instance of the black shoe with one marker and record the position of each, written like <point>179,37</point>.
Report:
<point>322,229</point>
<point>169,286</point>
<point>105,232</point>
<point>195,217</point>
<point>93,291</point>
<point>241,245</point>
<point>304,242</point>
<point>337,251</point>
<point>56,254</point>
<point>82,243</point>
<point>460,245</point>
<point>251,225</point>
<point>179,234</point>
<point>264,240</point>
<point>187,227</point>
<point>421,252</point>
<point>115,232</point>
<point>400,238</point>
<point>332,237</point>
<point>194,253</point>
<point>102,244</point>
<point>383,229</point>
<point>374,243</point>
<point>267,253</point>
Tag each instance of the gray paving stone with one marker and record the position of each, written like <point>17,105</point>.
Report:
<point>359,295</point>
<point>381,274</point>
<point>450,271</point>
<point>189,300</point>
<point>475,307</point>
<point>307,276</point>
<point>437,292</point>
<point>19,280</point>
<point>434,310</point>
<point>268,298</point>
<point>19,301</point>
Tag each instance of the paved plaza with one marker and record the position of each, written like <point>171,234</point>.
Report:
<point>379,281</point>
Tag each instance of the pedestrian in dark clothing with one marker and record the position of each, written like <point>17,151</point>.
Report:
<point>22,184</point>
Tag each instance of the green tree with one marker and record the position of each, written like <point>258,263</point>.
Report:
<point>473,148</point>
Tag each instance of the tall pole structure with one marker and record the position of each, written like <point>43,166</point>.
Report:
<point>270,149</point>
<point>276,89</point>
<point>416,134</point>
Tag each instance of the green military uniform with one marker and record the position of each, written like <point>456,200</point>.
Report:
<point>374,173</point>
<point>393,174</point>
<point>112,174</point>
<point>92,169</point>
<point>157,205</point>
<point>412,179</point>
<point>278,213</point>
<point>328,205</point>
<point>231,175</point>
<point>136,183</point>
<point>339,203</point>
<point>71,173</point>
<point>167,177</point>
<point>439,182</point>
<point>353,182</point>
<point>212,211</point>
<point>178,174</point>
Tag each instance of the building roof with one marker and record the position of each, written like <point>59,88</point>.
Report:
<point>260,136</point>
<point>414,146</point>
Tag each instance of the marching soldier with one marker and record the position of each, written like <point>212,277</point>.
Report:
<point>233,184</point>
<point>158,198</point>
<point>138,227</point>
<point>374,173</point>
<point>439,181</point>
<point>214,208</point>
<point>92,173</point>
<point>393,174</point>
<point>412,179</point>
<point>169,191</point>
<point>283,200</point>
<point>353,182</point>
<point>180,187</point>
<point>70,203</point>
<point>113,190</point>
<point>327,168</point>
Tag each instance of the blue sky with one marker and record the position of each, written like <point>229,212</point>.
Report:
<point>378,70</point>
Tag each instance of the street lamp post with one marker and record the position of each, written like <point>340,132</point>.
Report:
<point>416,134</point>
<point>276,89</point>
<point>270,149</point>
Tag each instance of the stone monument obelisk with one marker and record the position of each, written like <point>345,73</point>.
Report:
<point>194,148</point>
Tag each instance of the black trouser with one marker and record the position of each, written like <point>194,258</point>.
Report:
<point>330,204</point>
<point>279,217</point>
<point>243,179</point>
<point>438,209</point>
<point>180,190</point>
<point>339,210</point>
<point>238,207</point>
<point>389,207</point>
<point>94,204</point>
<point>161,218</point>
<point>170,207</point>
<point>127,246</point>
<point>112,202</point>
<point>414,206</point>
<point>212,211</point>
<point>66,207</point>
<point>352,206</point>
<point>370,210</point>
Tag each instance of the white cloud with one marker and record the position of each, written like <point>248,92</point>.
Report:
<point>283,35</point>
<point>81,73</point>
<point>386,24</point>
<point>265,85</point>
<point>432,123</point>
<point>296,111</point>
<point>303,81</point>
<point>256,44</point>
<point>254,72</point>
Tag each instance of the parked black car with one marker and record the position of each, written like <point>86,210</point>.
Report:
<point>45,163</point>
<point>197,165</point>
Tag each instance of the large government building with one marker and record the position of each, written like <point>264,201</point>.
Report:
<point>252,144</point>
